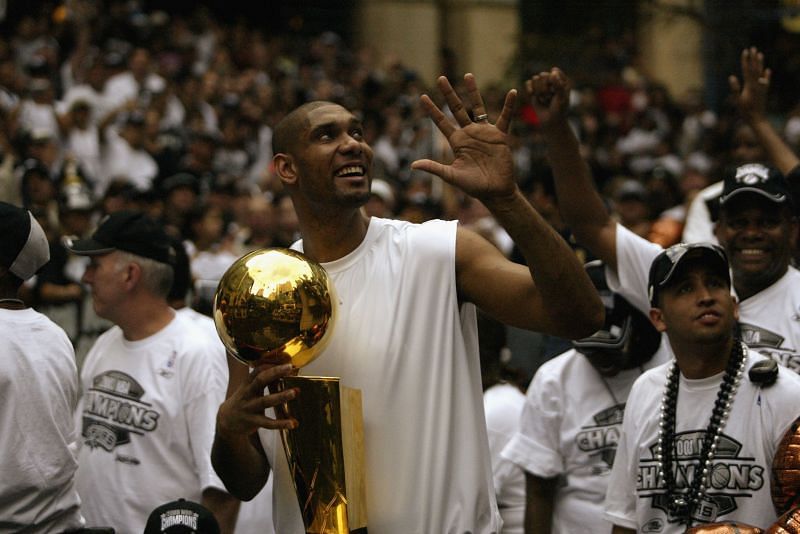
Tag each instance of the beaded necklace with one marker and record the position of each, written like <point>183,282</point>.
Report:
<point>682,505</point>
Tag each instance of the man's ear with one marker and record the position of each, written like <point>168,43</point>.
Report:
<point>285,168</point>
<point>656,317</point>
<point>133,273</point>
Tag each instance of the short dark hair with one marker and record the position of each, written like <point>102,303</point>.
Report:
<point>284,136</point>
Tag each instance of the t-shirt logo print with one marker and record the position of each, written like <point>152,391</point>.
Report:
<point>114,409</point>
<point>602,437</point>
<point>732,475</point>
<point>771,345</point>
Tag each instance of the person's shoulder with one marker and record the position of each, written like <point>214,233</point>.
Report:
<point>792,274</point>
<point>111,334</point>
<point>564,362</point>
<point>502,397</point>
<point>787,380</point>
<point>431,225</point>
<point>190,330</point>
<point>54,329</point>
<point>652,378</point>
<point>628,239</point>
<point>426,236</point>
<point>45,327</point>
<point>110,338</point>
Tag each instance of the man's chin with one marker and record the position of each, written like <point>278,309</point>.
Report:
<point>757,275</point>
<point>355,199</point>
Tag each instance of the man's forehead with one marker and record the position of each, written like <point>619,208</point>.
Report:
<point>329,113</point>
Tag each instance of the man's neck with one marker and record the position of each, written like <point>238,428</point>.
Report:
<point>330,238</point>
<point>144,318</point>
<point>11,301</point>
<point>745,290</point>
<point>702,360</point>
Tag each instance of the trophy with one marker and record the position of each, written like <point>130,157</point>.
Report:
<point>278,301</point>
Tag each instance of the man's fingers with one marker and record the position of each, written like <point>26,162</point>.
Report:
<point>529,88</point>
<point>504,119</point>
<point>478,108</point>
<point>541,89</point>
<point>559,80</point>
<point>274,399</point>
<point>433,167</point>
<point>263,376</point>
<point>752,64</point>
<point>437,116</point>
<point>453,101</point>
<point>733,83</point>
<point>264,421</point>
<point>765,77</point>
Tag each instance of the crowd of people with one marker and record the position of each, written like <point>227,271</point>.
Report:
<point>474,236</point>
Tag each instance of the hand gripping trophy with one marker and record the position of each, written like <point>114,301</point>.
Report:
<point>278,301</point>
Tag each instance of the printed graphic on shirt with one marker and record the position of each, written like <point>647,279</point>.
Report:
<point>731,477</point>
<point>770,345</point>
<point>113,410</point>
<point>601,438</point>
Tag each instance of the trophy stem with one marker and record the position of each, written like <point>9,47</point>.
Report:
<point>315,452</point>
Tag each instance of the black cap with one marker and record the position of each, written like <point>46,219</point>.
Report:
<point>666,264</point>
<point>181,516</point>
<point>131,231</point>
<point>23,245</point>
<point>759,179</point>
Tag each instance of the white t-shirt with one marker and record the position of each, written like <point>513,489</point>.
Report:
<point>770,319</point>
<point>206,324</point>
<point>121,160</point>
<point>123,87</point>
<point>740,476</point>
<point>38,440</point>
<point>85,146</point>
<point>569,428</point>
<point>402,339</point>
<point>698,226</point>
<point>147,416</point>
<point>255,516</point>
<point>503,405</point>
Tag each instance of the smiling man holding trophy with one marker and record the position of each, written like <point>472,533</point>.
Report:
<point>406,332</point>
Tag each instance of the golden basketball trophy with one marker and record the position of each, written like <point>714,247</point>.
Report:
<point>277,301</point>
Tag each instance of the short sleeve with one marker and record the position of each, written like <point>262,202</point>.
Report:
<point>535,446</point>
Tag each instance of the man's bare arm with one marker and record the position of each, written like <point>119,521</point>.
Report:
<point>554,294</point>
<point>237,454</point>
<point>225,508</point>
<point>539,496</point>
<point>580,204</point>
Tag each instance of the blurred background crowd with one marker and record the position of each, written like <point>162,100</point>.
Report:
<point>113,105</point>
